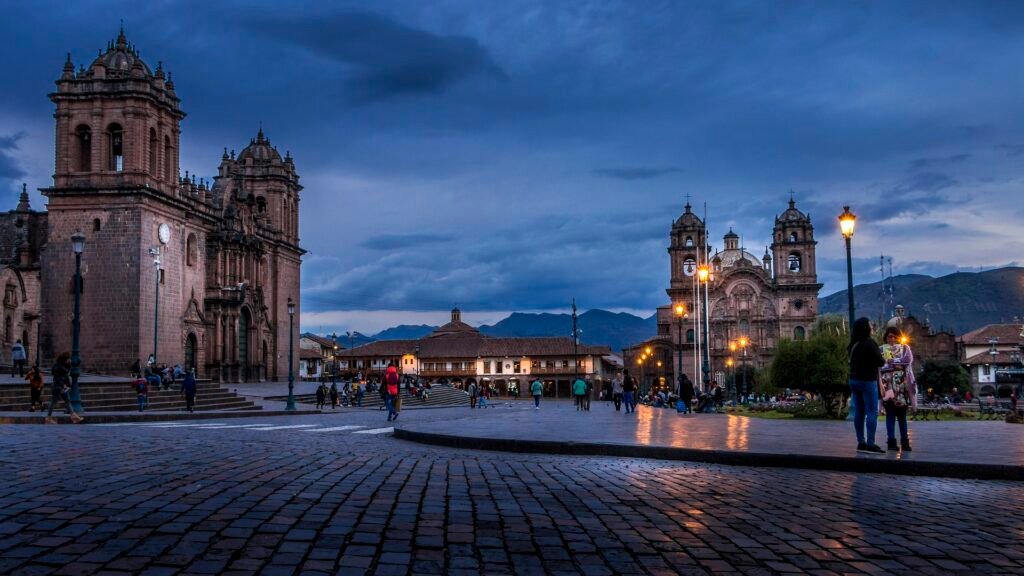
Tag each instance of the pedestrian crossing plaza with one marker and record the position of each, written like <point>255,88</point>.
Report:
<point>321,428</point>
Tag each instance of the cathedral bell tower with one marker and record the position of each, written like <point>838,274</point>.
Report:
<point>793,248</point>
<point>686,251</point>
<point>117,123</point>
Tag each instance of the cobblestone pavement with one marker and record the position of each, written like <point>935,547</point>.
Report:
<point>281,499</point>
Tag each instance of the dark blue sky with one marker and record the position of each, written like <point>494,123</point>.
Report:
<point>511,155</point>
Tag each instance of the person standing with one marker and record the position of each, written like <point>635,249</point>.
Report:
<point>898,387</point>
<point>359,393</point>
<point>617,391</point>
<point>334,395</point>
<point>472,390</point>
<point>18,359</point>
<point>587,394</point>
<point>579,392</point>
<point>865,360</point>
<point>628,391</point>
<point>321,395</point>
<point>188,387</point>
<point>60,387</point>
<point>136,369</point>
<point>390,382</point>
<point>141,393</point>
<point>686,393</point>
<point>35,386</point>
<point>536,389</point>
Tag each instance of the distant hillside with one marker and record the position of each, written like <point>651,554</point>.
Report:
<point>959,302</point>
<point>599,327</point>
<point>404,332</point>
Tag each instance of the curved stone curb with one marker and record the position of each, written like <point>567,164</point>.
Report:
<point>865,464</point>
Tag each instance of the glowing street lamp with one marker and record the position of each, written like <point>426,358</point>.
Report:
<point>847,222</point>
<point>680,316</point>
<point>704,275</point>
<point>290,406</point>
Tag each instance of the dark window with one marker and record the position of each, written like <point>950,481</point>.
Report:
<point>161,275</point>
<point>793,237</point>
<point>799,333</point>
<point>168,154</point>
<point>96,225</point>
<point>689,336</point>
<point>152,152</point>
<point>84,137</point>
<point>191,250</point>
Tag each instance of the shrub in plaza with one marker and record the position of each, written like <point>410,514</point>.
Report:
<point>818,366</point>
<point>943,377</point>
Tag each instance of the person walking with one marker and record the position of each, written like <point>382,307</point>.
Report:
<point>686,393</point>
<point>35,387</point>
<point>390,382</point>
<point>472,390</point>
<point>865,360</point>
<point>617,390</point>
<point>321,395</point>
<point>141,392</point>
<point>334,395</point>
<point>188,387</point>
<point>579,391</point>
<point>18,359</point>
<point>536,389</point>
<point>60,387</point>
<point>359,393</point>
<point>628,391</point>
<point>898,387</point>
<point>587,394</point>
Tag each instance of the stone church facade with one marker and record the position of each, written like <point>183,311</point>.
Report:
<point>223,256</point>
<point>763,298</point>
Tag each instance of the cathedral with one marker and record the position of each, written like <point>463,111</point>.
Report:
<point>200,274</point>
<point>753,300</point>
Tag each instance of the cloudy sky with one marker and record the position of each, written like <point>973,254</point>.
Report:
<point>513,155</point>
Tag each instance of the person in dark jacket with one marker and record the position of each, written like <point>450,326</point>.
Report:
<point>61,387</point>
<point>188,387</point>
<point>628,391</point>
<point>686,393</point>
<point>865,360</point>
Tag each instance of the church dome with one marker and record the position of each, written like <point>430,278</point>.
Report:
<point>120,58</point>
<point>260,150</point>
<point>792,214</point>
<point>688,219</point>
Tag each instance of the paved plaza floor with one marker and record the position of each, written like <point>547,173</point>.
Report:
<point>986,449</point>
<point>339,494</point>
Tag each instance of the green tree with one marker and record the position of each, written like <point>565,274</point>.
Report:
<point>790,367</point>
<point>943,377</point>
<point>829,371</point>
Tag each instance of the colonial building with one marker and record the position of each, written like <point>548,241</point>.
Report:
<point>317,356</point>
<point>760,299</point>
<point>928,344</point>
<point>458,353</point>
<point>195,273</point>
<point>993,357</point>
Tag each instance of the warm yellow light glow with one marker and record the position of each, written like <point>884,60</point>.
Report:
<point>703,273</point>
<point>728,362</point>
<point>732,346</point>
<point>744,341</point>
<point>680,310</point>
<point>648,350</point>
<point>639,361</point>
<point>847,221</point>
<point>659,363</point>
<point>904,339</point>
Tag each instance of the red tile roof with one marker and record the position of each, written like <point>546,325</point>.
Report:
<point>325,342</point>
<point>467,345</point>
<point>1005,358</point>
<point>1008,334</point>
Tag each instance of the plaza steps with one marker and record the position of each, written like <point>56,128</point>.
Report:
<point>120,396</point>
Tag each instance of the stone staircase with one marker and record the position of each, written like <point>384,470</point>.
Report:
<point>120,396</point>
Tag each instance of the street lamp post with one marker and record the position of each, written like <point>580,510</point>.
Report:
<point>155,253</point>
<point>744,342</point>
<point>704,275</point>
<point>575,346</point>
<point>729,362</point>
<point>291,344</point>
<point>77,246</point>
<point>680,315</point>
<point>847,222</point>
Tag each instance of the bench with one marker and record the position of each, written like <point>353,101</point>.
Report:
<point>991,409</point>
<point>923,412</point>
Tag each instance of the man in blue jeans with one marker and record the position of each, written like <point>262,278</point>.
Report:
<point>865,360</point>
<point>628,390</point>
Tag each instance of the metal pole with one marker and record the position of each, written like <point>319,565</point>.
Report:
<point>744,369</point>
<point>156,307</point>
<point>76,360</point>
<point>291,375</point>
<point>39,332</point>
<point>679,379</point>
<point>575,346</point>
<point>849,281</point>
<point>706,368</point>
